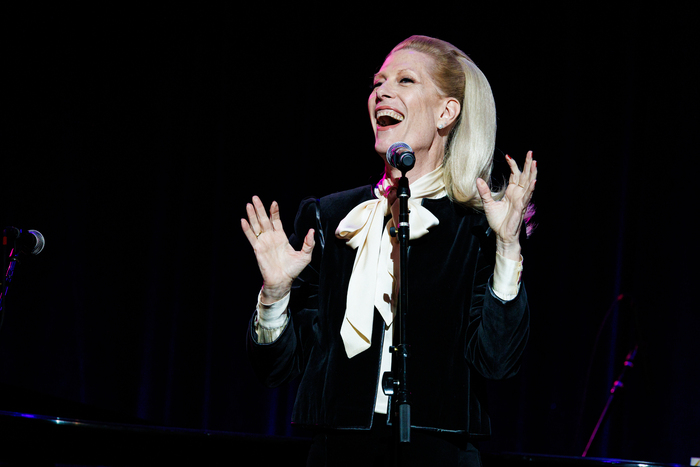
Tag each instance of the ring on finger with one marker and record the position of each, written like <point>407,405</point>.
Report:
<point>259,234</point>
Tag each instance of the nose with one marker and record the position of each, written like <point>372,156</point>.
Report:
<point>383,91</point>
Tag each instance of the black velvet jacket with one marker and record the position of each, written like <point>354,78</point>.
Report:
<point>459,332</point>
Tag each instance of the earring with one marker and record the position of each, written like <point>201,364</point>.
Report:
<point>440,126</point>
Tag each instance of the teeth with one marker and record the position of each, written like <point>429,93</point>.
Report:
<point>390,113</point>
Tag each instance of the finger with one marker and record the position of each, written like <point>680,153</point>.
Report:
<point>515,174</point>
<point>527,182</point>
<point>530,190</point>
<point>248,231</point>
<point>253,218</point>
<point>309,242</point>
<point>528,179</point>
<point>514,169</point>
<point>527,196</point>
<point>484,191</point>
<point>533,170</point>
<point>525,179</point>
<point>275,216</point>
<point>261,213</point>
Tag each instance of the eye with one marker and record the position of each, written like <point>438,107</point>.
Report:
<point>376,85</point>
<point>406,81</point>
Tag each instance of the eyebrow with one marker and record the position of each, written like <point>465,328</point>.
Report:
<point>376,75</point>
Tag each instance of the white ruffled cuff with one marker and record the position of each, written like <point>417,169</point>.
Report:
<point>506,277</point>
<point>270,320</point>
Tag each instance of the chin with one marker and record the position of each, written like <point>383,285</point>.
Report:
<point>381,145</point>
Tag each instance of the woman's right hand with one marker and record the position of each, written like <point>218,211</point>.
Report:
<point>278,261</point>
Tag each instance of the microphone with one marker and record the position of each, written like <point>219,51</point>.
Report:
<point>29,241</point>
<point>400,155</point>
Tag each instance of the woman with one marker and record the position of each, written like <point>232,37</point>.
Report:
<point>326,308</point>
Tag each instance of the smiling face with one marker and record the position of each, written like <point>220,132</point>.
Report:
<point>406,105</point>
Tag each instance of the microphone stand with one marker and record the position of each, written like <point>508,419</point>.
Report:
<point>395,383</point>
<point>629,363</point>
<point>11,234</point>
<point>401,348</point>
<point>9,272</point>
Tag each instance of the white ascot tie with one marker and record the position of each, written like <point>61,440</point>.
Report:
<point>374,282</point>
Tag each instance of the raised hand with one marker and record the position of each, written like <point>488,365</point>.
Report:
<point>278,261</point>
<point>505,216</point>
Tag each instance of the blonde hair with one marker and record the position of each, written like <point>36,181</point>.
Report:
<point>470,145</point>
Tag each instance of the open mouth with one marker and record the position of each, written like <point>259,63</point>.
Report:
<point>387,118</point>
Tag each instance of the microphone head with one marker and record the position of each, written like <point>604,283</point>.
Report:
<point>400,155</point>
<point>27,241</point>
<point>38,243</point>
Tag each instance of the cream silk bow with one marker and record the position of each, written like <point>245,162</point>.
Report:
<point>374,279</point>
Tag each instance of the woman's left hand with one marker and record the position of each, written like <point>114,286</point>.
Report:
<point>505,217</point>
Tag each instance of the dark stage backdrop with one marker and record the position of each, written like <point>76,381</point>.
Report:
<point>133,142</point>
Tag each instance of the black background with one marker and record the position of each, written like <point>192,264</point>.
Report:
<point>133,139</point>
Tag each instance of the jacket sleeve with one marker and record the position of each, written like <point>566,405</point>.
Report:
<point>284,359</point>
<point>498,330</point>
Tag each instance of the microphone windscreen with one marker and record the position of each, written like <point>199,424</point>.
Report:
<point>39,242</point>
<point>395,150</point>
